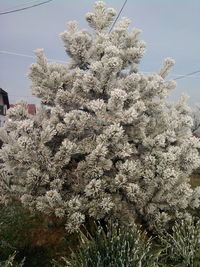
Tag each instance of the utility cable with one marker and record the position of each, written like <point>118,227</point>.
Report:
<point>118,16</point>
<point>186,75</point>
<point>179,76</point>
<point>24,8</point>
<point>24,55</point>
<point>19,5</point>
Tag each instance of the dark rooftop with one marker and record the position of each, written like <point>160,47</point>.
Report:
<point>5,97</point>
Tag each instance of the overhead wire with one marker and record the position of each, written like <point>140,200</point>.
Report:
<point>24,8</point>
<point>187,75</point>
<point>118,16</point>
<point>25,55</point>
<point>19,5</point>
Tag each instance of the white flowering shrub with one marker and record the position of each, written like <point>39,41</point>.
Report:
<point>106,143</point>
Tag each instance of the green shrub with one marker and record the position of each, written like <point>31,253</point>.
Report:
<point>113,245</point>
<point>182,244</point>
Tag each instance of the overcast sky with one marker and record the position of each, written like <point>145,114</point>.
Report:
<point>171,28</point>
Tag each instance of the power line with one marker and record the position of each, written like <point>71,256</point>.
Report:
<point>16,54</point>
<point>186,75</point>
<point>24,8</point>
<point>24,55</point>
<point>20,5</point>
<point>118,16</point>
<point>180,76</point>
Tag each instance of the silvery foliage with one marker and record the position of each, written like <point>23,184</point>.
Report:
<point>107,143</point>
<point>113,245</point>
<point>182,244</point>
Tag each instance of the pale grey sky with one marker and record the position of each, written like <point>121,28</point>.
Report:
<point>170,29</point>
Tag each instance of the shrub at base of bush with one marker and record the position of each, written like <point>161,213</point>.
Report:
<point>113,245</point>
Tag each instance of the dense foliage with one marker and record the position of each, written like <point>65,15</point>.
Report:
<point>107,143</point>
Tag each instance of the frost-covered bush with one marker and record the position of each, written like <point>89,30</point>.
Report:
<point>107,143</point>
